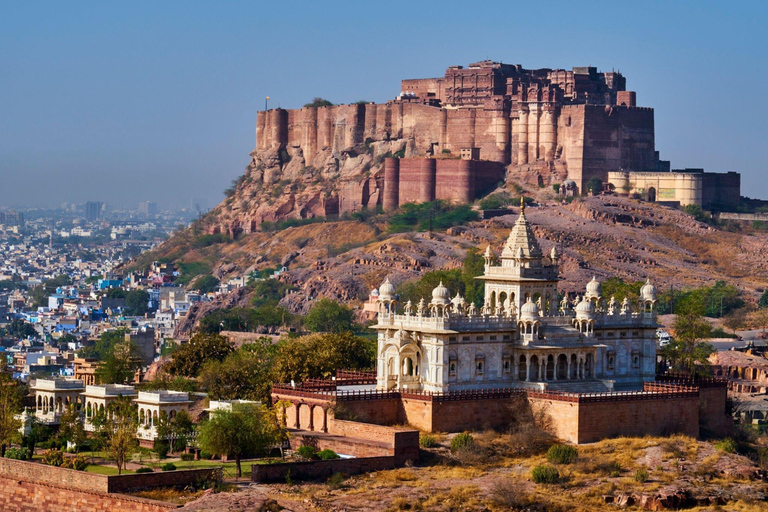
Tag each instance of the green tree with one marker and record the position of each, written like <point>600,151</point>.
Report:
<point>245,373</point>
<point>687,352</point>
<point>65,339</point>
<point>10,405</point>
<point>319,102</point>
<point>320,355</point>
<point>137,302</point>
<point>422,288</point>
<point>188,359</point>
<point>118,429</point>
<point>245,430</point>
<point>120,363</point>
<point>206,284</point>
<point>116,293</point>
<point>176,431</point>
<point>20,328</point>
<point>594,185</point>
<point>71,427</point>
<point>763,302</point>
<point>473,266</point>
<point>327,315</point>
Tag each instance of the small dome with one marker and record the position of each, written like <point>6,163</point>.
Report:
<point>529,310</point>
<point>553,254</point>
<point>594,288</point>
<point>488,251</point>
<point>569,183</point>
<point>441,294</point>
<point>584,308</point>
<point>648,291</point>
<point>374,293</point>
<point>387,290</point>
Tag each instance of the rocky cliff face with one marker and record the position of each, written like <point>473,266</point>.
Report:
<point>281,184</point>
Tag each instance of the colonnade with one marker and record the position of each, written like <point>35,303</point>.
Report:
<point>543,366</point>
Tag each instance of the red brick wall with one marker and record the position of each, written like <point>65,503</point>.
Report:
<point>713,418</point>
<point>19,495</point>
<point>321,469</point>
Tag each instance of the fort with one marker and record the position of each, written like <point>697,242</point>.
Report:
<point>539,125</point>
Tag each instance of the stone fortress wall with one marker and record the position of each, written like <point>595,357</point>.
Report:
<point>510,114</point>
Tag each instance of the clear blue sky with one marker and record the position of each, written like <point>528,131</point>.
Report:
<point>127,101</point>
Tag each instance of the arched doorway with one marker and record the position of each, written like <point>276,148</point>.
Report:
<point>652,195</point>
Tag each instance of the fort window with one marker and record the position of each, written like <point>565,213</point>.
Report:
<point>610,334</point>
<point>507,337</point>
<point>452,369</point>
<point>493,338</point>
<point>635,333</point>
<point>480,338</point>
<point>611,361</point>
<point>479,367</point>
<point>635,360</point>
<point>623,334</point>
<point>465,338</point>
<point>507,366</point>
<point>451,338</point>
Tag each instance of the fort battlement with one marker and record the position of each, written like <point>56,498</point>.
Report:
<point>512,116</point>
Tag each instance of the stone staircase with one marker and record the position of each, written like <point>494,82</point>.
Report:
<point>580,386</point>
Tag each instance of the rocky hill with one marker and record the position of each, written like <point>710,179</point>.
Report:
<point>603,236</point>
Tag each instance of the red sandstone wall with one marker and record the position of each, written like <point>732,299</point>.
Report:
<point>563,417</point>
<point>714,420</point>
<point>638,418</point>
<point>17,495</point>
<point>320,469</point>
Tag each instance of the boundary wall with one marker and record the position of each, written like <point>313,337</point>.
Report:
<point>31,486</point>
<point>318,469</point>
<point>661,408</point>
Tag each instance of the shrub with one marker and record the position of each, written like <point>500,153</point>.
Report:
<point>161,449</point>
<point>187,457</point>
<point>78,463</point>
<point>328,455</point>
<point>145,470</point>
<point>306,452</point>
<point>336,481</point>
<point>556,187</point>
<point>543,474</point>
<point>168,466</point>
<point>461,441</point>
<point>53,457</point>
<point>562,454</point>
<point>205,455</point>
<point>727,445</point>
<point>427,441</point>
<point>16,453</point>
<point>641,475</point>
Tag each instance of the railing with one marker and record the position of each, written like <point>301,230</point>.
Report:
<point>355,377</point>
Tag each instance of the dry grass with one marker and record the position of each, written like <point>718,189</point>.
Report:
<point>170,495</point>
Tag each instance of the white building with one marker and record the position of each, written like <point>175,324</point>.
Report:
<point>99,398</point>
<point>152,405</point>
<point>54,396</point>
<point>523,335</point>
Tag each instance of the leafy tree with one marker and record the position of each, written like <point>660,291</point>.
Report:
<point>71,427</point>
<point>320,355</point>
<point>119,365</point>
<point>440,215</point>
<point>117,428</point>
<point>268,291</point>
<point>188,359</point>
<point>176,430</point>
<point>116,293</point>
<point>245,430</point>
<point>687,352</point>
<point>206,284</point>
<point>102,347</point>
<point>594,185</point>
<point>10,405</point>
<point>20,328</point>
<point>473,266</point>
<point>327,315</point>
<point>697,212</point>
<point>245,373</point>
<point>617,287</point>
<point>137,302</point>
<point>735,320</point>
<point>416,290</point>
<point>763,302</point>
<point>319,102</point>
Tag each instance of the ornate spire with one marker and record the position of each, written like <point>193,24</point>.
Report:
<point>522,237</point>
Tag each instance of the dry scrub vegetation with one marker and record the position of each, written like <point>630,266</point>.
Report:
<point>493,473</point>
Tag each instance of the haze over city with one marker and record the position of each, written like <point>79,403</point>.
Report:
<point>131,102</point>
